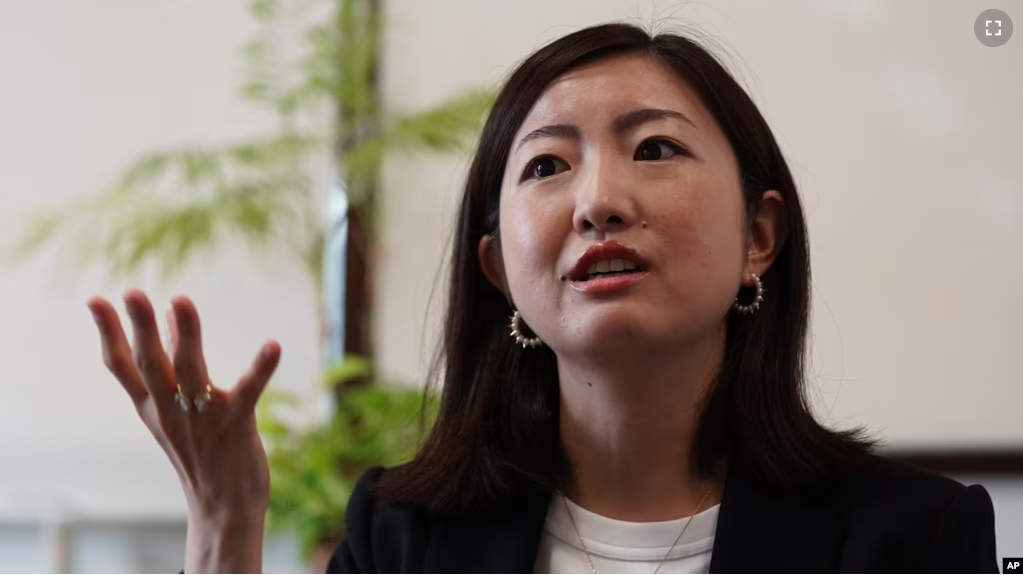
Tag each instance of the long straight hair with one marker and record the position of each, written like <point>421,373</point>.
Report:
<point>497,425</point>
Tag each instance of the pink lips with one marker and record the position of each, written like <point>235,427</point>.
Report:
<point>599,286</point>
<point>602,285</point>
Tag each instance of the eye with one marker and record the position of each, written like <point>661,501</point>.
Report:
<point>658,149</point>
<point>544,167</point>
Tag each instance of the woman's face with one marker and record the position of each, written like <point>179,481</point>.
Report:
<point>621,150</point>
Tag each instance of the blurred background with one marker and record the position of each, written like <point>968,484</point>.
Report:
<point>294,167</point>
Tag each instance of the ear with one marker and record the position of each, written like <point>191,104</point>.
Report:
<point>490,261</point>
<point>767,235</point>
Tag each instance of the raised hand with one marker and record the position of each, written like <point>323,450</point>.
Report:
<point>208,433</point>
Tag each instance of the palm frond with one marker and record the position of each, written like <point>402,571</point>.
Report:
<point>171,205</point>
<point>171,233</point>
<point>447,127</point>
<point>450,126</point>
<point>272,74</point>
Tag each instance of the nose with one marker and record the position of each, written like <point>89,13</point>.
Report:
<point>604,203</point>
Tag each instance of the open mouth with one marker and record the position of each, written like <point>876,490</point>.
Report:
<point>609,269</point>
<point>607,266</point>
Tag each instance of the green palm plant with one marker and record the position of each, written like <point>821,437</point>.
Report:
<point>315,469</point>
<point>169,206</point>
<point>172,205</point>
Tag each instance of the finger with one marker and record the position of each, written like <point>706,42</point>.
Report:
<point>116,351</point>
<point>152,362</point>
<point>189,363</point>
<point>252,384</point>
<point>172,332</point>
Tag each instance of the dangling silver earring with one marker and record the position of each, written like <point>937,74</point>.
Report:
<point>516,332</point>
<point>750,308</point>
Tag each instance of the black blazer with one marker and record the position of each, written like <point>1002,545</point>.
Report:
<point>885,517</point>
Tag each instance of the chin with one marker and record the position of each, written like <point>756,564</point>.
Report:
<point>615,333</point>
<point>606,335</point>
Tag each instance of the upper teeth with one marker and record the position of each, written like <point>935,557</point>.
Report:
<point>610,266</point>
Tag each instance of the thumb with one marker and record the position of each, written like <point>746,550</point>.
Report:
<point>252,384</point>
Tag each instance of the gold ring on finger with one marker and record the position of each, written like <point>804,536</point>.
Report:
<point>203,401</point>
<point>181,400</point>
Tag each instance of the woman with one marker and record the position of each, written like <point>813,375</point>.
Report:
<point>643,408</point>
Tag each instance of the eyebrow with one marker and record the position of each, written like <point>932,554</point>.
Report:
<point>621,125</point>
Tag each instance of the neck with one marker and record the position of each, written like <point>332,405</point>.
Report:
<point>627,426</point>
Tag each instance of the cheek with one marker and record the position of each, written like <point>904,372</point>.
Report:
<point>705,229</point>
<point>532,235</point>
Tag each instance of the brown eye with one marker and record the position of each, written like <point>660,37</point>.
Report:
<point>653,150</point>
<point>544,168</point>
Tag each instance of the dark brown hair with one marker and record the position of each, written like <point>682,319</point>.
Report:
<point>498,419</point>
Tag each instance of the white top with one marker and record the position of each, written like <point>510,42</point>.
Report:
<point>623,546</point>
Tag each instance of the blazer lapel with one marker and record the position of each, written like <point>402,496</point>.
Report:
<point>760,530</point>
<point>765,530</point>
<point>503,538</point>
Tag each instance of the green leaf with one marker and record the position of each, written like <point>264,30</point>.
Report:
<point>264,10</point>
<point>444,128</point>
<point>350,368</point>
<point>314,470</point>
<point>170,206</point>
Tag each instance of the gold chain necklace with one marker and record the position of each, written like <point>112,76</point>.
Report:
<point>589,559</point>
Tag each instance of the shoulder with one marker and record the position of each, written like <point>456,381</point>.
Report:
<point>889,484</point>
<point>880,516</point>
<point>498,536</point>
<point>935,519</point>
<point>378,537</point>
